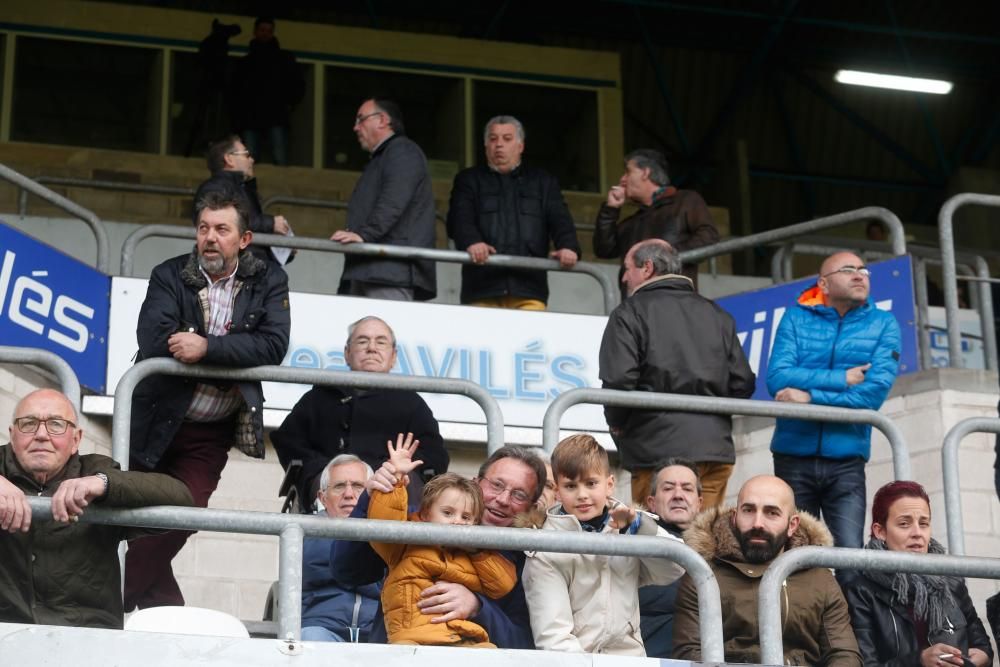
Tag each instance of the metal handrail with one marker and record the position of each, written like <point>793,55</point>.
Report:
<point>22,200</point>
<point>735,243</point>
<point>608,289</point>
<point>291,528</point>
<point>799,558</point>
<point>947,239</point>
<point>122,418</point>
<point>319,203</point>
<point>103,263</point>
<point>726,406</point>
<point>50,361</point>
<point>949,467</point>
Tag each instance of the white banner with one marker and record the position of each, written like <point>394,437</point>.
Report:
<point>525,359</point>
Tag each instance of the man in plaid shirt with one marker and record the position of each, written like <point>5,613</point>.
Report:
<point>218,305</point>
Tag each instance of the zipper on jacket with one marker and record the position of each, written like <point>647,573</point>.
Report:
<point>354,630</point>
<point>833,358</point>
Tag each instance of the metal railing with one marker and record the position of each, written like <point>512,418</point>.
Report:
<point>103,263</point>
<point>292,528</point>
<point>799,558</point>
<point>122,418</point>
<point>952,486</point>
<point>149,188</point>
<point>946,236</point>
<point>608,289</point>
<point>317,203</point>
<point>975,265</point>
<point>796,230</point>
<point>51,362</point>
<point>725,406</point>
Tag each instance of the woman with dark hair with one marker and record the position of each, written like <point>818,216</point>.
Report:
<point>912,619</point>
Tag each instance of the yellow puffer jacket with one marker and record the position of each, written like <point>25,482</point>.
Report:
<point>414,567</point>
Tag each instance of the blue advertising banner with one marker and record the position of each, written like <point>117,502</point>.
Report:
<point>51,301</point>
<point>758,314</point>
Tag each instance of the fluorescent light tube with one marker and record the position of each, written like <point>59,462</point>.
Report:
<point>873,80</point>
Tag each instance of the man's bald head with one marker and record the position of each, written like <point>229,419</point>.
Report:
<point>774,489</point>
<point>843,282</point>
<point>765,517</point>
<point>48,396</point>
<point>44,433</point>
<point>838,260</point>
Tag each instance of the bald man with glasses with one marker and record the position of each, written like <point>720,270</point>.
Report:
<point>833,347</point>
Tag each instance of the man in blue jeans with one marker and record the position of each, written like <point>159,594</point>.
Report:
<point>833,347</point>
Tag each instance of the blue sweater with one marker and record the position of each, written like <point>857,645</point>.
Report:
<point>813,349</point>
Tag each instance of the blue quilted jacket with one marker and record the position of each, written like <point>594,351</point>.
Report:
<point>813,349</point>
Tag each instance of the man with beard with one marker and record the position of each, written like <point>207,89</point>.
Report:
<point>218,305</point>
<point>739,544</point>
<point>675,498</point>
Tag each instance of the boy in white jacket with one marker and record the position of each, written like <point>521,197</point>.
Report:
<point>584,602</point>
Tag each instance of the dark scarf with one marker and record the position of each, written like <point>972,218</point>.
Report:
<point>928,595</point>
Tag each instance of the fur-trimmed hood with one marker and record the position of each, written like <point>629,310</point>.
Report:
<point>712,537</point>
<point>249,265</point>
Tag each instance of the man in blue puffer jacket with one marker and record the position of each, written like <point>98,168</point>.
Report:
<point>834,347</point>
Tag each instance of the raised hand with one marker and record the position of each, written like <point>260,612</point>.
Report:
<point>621,516</point>
<point>401,456</point>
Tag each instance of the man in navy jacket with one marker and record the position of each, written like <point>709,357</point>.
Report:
<point>834,347</point>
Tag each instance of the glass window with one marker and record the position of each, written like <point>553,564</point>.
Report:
<point>85,94</point>
<point>560,128</point>
<point>432,109</point>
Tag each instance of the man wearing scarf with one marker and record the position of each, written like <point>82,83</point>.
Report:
<point>901,618</point>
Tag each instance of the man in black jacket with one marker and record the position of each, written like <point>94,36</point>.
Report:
<point>392,203</point>
<point>508,208</point>
<point>666,338</point>
<point>218,305</point>
<point>329,421</point>
<point>231,165</point>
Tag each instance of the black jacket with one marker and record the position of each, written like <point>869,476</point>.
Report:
<point>328,421</point>
<point>267,84</point>
<point>257,336</point>
<point>667,338</point>
<point>517,214</point>
<point>886,634</point>
<point>392,203</point>
<point>656,611</point>
<point>232,182</point>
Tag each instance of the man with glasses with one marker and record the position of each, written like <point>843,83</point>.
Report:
<point>231,166</point>
<point>55,574</point>
<point>392,204</point>
<point>833,347</point>
<point>328,421</point>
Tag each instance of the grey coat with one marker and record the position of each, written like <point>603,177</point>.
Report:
<point>393,203</point>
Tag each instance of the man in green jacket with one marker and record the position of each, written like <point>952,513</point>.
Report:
<point>62,572</point>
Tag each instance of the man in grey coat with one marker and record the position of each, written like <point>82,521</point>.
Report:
<point>392,204</point>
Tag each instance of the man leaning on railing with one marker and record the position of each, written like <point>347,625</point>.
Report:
<point>53,573</point>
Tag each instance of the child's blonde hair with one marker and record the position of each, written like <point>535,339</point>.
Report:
<point>578,455</point>
<point>450,480</point>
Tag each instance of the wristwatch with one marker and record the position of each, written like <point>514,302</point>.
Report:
<point>104,478</point>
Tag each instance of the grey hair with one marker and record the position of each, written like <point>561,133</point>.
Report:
<point>354,325</point>
<point>339,460</point>
<point>665,259</point>
<point>647,158</point>
<point>675,461</point>
<point>503,120</point>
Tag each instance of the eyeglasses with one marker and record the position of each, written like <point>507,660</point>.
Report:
<point>360,119</point>
<point>242,153</point>
<point>850,271</point>
<point>340,488</point>
<point>380,343</point>
<point>53,425</point>
<point>499,487</point>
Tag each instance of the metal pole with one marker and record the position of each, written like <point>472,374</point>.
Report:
<point>50,361</point>
<point>799,558</point>
<point>952,486</point>
<point>609,291</point>
<point>404,532</point>
<point>122,418</point>
<point>290,583</point>
<point>103,245</point>
<point>726,406</point>
<point>947,239</point>
<point>986,313</point>
<point>923,320</point>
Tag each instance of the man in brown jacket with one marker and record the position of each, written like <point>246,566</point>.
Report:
<point>739,545</point>
<point>679,217</point>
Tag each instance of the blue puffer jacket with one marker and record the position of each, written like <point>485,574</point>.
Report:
<point>813,349</point>
<point>332,604</point>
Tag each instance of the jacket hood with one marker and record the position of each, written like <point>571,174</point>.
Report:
<point>671,281</point>
<point>711,536</point>
<point>812,297</point>
<point>533,518</point>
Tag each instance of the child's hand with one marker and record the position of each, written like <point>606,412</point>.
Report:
<point>622,516</point>
<point>401,455</point>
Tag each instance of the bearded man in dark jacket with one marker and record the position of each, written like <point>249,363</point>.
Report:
<point>508,208</point>
<point>666,338</point>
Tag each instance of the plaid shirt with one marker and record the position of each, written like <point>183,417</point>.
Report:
<point>209,403</point>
